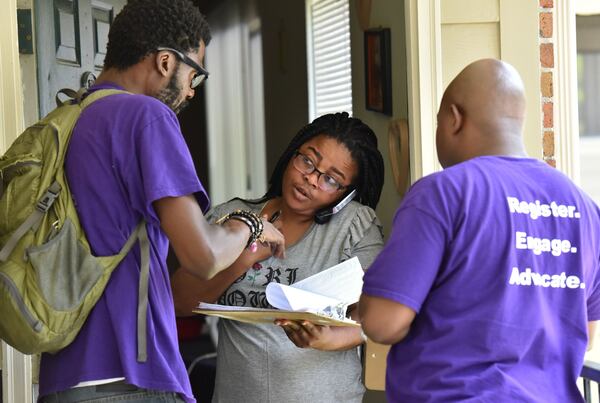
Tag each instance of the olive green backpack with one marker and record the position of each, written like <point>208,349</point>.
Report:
<point>49,279</point>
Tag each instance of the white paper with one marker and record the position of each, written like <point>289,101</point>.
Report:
<point>293,299</point>
<point>217,307</point>
<point>329,291</point>
<point>343,281</point>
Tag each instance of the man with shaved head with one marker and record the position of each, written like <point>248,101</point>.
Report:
<point>489,280</point>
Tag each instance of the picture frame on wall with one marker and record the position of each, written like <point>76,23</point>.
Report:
<point>378,70</point>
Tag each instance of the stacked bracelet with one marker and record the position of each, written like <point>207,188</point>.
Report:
<point>249,218</point>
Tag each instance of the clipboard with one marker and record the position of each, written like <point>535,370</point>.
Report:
<point>375,365</point>
<point>260,315</point>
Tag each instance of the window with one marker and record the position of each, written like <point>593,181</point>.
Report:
<point>328,44</point>
<point>588,70</point>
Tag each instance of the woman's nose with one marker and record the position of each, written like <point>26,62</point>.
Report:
<point>312,178</point>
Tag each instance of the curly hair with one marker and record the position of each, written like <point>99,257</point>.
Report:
<point>144,25</point>
<point>360,141</point>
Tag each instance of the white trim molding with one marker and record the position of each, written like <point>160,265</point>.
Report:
<point>566,119</point>
<point>310,59</point>
<point>16,376</point>
<point>11,93</point>
<point>424,55</point>
<point>16,367</point>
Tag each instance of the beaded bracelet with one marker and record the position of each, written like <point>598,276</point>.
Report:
<point>249,218</point>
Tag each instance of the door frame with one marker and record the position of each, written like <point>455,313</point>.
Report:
<point>566,112</point>
<point>16,367</point>
<point>424,58</point>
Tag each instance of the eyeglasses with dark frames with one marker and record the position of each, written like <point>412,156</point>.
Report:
<point>201,73</point>
<point>326,182</point>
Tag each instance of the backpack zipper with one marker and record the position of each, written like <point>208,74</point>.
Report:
<point>35,324</point>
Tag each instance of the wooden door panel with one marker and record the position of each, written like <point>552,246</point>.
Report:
<point>66,20</point>
<point>102,17</point>
<point>71,43</point>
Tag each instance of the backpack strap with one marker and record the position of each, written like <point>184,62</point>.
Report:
<point>71,95</point>
<point>141,234</point>
<point>85,98</point>
<point>80,97</point>
<point>142,335</point>
<point>32,221</point>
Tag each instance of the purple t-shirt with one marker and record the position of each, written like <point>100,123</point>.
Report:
<point>126,152</point>
<point>499,257</point>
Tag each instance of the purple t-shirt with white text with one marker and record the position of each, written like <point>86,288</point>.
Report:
<point>499,257</point>
<point>126,152</point>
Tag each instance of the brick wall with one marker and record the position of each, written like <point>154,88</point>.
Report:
<point>546,24</point>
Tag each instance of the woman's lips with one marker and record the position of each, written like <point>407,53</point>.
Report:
<point>301,193</point>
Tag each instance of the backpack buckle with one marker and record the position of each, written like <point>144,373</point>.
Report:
<point>46,201</point>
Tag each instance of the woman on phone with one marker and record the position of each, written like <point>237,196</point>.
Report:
<point>321,196</point>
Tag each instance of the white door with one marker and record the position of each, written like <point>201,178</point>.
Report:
<point>71,44</point>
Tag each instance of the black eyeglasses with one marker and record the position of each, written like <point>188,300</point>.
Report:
<point>201,73</point>
<point>325,181</point>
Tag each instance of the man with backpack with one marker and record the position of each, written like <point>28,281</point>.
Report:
<point>126,164</point>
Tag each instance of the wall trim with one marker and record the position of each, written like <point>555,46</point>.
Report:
<point>16,367</point>
<point>566,118</point>
<point>423,48</point>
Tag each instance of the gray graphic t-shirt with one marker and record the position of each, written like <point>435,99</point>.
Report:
<point>258,363</point>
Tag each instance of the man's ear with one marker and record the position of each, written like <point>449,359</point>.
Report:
<point>164,63</point>
<point>457,118</point>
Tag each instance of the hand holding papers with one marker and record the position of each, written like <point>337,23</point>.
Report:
<point>322,299</point>
<point>328,292</point>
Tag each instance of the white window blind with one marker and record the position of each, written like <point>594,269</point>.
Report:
<point>329,65</point>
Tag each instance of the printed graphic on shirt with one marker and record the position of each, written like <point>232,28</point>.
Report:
<point>539,244</point>
<point>249,288</point>
<point>537,209</point>
<point>530,278</point>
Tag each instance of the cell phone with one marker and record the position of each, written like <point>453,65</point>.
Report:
<point>324,215</point>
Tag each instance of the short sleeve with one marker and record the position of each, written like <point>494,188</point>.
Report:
<point>365,237</point>
<point>407,266</point>
<point>161,159</point>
